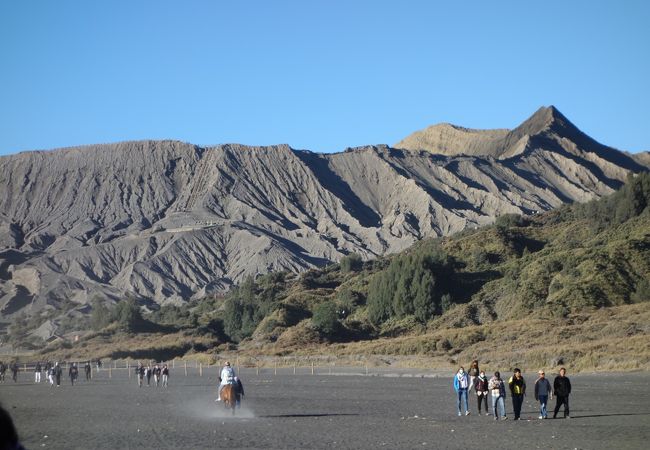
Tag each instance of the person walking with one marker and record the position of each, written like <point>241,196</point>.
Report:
<point>473,373</point>
<point>139,372</point>
<point>165,375</point>
<point>482,391</point>
<point>88,371</point>
<point>148,373</point>
<point>14,371</point>
<point>542,392</point>
<point>461,386</point>
<point>498,390</point>
<point>562,389</point>
<point>57,372</point>
<point>50,374</point>
<point>37,372</point>
<point>156,375</point>
<point>517,386</point>
<point>73,373</point>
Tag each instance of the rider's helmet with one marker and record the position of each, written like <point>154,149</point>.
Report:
<point>228,363</point>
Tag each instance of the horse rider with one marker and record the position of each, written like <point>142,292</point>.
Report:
<point>227,377</point>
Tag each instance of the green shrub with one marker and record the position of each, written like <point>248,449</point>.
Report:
<point>325,318</point>
<point>351,263</point>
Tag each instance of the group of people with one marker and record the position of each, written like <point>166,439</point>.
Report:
<point>13,366</point>
<point>159,374</point>
<point>495,387</point>
<point>53,372</point>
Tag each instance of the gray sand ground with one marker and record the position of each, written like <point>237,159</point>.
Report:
<point>304,411</point>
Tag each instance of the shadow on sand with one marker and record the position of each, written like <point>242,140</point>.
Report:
<point>274,416</point>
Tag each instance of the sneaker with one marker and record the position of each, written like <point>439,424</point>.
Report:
<point>496,418</point>
<point>540,417</point>
<point>218,399</point>
<point>459,414</point>
<point>467,413</point>
<point>567,417</point>
<point>487,414</point>
<point>505,418</point>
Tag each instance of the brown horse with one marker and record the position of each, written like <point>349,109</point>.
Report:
<point>228,397</point>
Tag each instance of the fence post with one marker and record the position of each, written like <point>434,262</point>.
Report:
<point>173,363</point>
<point>294,366</point>
<point>200,369</point>
<point>275,369</point>
<point>257,366</point>
<point>110,371</point>
<point>312,367</point>
<point>185,367</point>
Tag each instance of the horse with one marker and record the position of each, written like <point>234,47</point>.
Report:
<point>228,396</point>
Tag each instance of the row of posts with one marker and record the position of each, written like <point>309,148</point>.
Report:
<point>200,367</point>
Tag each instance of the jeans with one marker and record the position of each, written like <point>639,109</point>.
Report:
<point>543,399</point>
<point>561,399</point>
<point>517,401</point>
<point>462,393</point>
<point>498,401</point>
<point>37,377</point>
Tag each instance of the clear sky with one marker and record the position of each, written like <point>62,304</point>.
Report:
<point>318,75</point>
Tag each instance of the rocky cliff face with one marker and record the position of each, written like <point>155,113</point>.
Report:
<point>167,221</point>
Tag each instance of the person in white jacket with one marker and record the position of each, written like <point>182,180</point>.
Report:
<point>227,377</point>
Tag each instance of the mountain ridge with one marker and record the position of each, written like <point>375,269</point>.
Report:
<point>167,221</point>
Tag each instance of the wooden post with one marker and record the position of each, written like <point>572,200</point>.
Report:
<point>25,365</point>
<point>275,369</point>
<point>128,369</point>
<point>110,372</point>
<point>257,366</point>
<point>173,363</point>
<point>312,367</point>
<point>294,366</point>
<point>200,369</point>
<point>185,368</point>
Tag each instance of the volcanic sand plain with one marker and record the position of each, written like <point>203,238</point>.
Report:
<point>318,411</point>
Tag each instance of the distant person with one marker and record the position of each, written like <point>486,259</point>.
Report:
<point>542,392</point>
<point>239,392</point>
<point>165,375</point>
<point>227,376</point>
<point>482,392</point>
<point>562,389</point>
<point>48,366</point>
<point>156,374</point>
<point>498,390</point>
<point>57,372</point>
<point>3,370</point>
<point>73,373</point>
<point>99,364</point>
<point>50,374</point>
<point>139,372</point>
<point>8,434</point>
<point>88,371</point>
<point>37,372</point>
<point>148,373</point>
<point>473,373</point>
<point>517,386</point>
<point>461,386</point>
<point>14,371</point>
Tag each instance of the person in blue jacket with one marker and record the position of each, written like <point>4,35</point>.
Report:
<point>461,386</point>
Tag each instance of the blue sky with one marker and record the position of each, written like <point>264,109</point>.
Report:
<point>320,75</point>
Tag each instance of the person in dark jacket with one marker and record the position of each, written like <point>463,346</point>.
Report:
<point>562,389</point>
<point>239,391</point>
<point>57,372</point>
<point>8,434</point>
<point>482,391</point>
<point>37,372</point>
<point>88,371</point>
<point>14,371</point>
<point>73,373</point>
<point>517,386</point>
